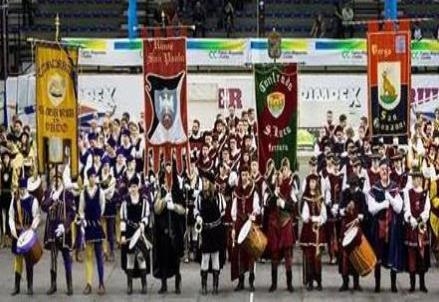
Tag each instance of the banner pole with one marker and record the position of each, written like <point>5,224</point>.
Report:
<point>5,64</point>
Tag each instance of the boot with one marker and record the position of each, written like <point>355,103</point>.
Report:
<point>143,282</point>
<point>30,279</point>
<point>240,285</point>
<point>357,286</point>
<point>101,290</point>
<point>377,279</point>
<point>393,282</point>
<point>251,281</point>
<point>52,288</point>
<point>17,284</point>
<point>129,282</point>
<point>69,283</point>
<point>273,286</point>
<point>215,282</point>
<point>289,281</point>
<point>345,285</point>
<point>164,287</point>
<point>87,290</point>
<point>178,284</point>
<point>412,282</point>
<point>422,286</point>
<point>319,282</point>
<point>204,283</point>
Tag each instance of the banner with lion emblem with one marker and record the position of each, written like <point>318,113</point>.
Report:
<point>389,73</point>
<point>56,101</point>
<point>276,103</point>
<point>165,79</point>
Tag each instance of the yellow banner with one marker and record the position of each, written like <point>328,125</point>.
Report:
<point>57,126</point>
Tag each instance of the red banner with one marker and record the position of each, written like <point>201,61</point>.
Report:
<point>389,74</point>
<point>165,100</point>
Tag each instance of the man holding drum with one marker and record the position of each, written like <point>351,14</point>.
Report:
<point>353,212</point>
<point>245,206</point>
<point>24,215</point>
<point>385,205</point>
<point>134,216</point>
<point>59,205</point>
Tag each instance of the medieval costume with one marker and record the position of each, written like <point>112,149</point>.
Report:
<point>5,197</point>
<point>24,214</point>
<point>385,205</point>
<point>91,208</point>
<point>312,237</point>
<point>281,209</point>
<point>209,212</point>
<point>353,212</point>
<point>245,206</point>
<point>59,205</point>
<point>169,228</point>
<point>416,216</point>
<point>134,216</point>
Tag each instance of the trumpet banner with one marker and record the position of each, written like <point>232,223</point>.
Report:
<point>276,104</point>
<point>56,102</point>
<point>165,80</point>
<point>389,81</point>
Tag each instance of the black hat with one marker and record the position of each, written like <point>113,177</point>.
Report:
<point>354,181</point>
<point>134,181</point>
<point>208,175</point>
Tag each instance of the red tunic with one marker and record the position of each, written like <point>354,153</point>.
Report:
<point>241,260</point>
<point>280,221</point>
<point>308,237</point>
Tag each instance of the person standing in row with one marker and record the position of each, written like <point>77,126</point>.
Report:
<point>134,217</point>
<point>210,208</point>
<point>59,205</point>
<point>312,237</point>
<point>91,208</point>
<point>24,214</point>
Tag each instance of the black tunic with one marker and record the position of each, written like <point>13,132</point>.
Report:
<point>212,235</point>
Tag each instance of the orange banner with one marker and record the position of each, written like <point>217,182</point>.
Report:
<point>56,99</point>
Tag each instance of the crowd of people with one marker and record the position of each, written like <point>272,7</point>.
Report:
<point>369,205</point>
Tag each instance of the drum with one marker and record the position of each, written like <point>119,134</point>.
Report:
<point>29,246</point>
<point>252,239</point>
<point>361,254</point>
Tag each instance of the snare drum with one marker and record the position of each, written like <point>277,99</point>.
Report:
<point>252,239</point>
<point>29,246</point>
<point>360,252</point>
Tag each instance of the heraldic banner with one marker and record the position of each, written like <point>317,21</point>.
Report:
<point>389,74</point>
<point>56,101</point>
<point>276,103</point>
<point>166,100</point>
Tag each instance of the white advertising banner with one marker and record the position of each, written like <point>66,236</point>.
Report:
<point>210,94</point>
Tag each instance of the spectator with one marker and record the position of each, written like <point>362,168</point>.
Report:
<point>318,27</point>
<point>229,16</point>
<point>337,22</point>
<point>199,18</point>
<point>436,33</point>
<point>417,31</point>
<point>348,16</point>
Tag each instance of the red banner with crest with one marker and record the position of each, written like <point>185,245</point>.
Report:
<point>165,78</point>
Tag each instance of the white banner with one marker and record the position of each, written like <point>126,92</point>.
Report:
<point>210,94</point>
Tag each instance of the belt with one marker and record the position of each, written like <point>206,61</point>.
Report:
<point>211,225</point>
